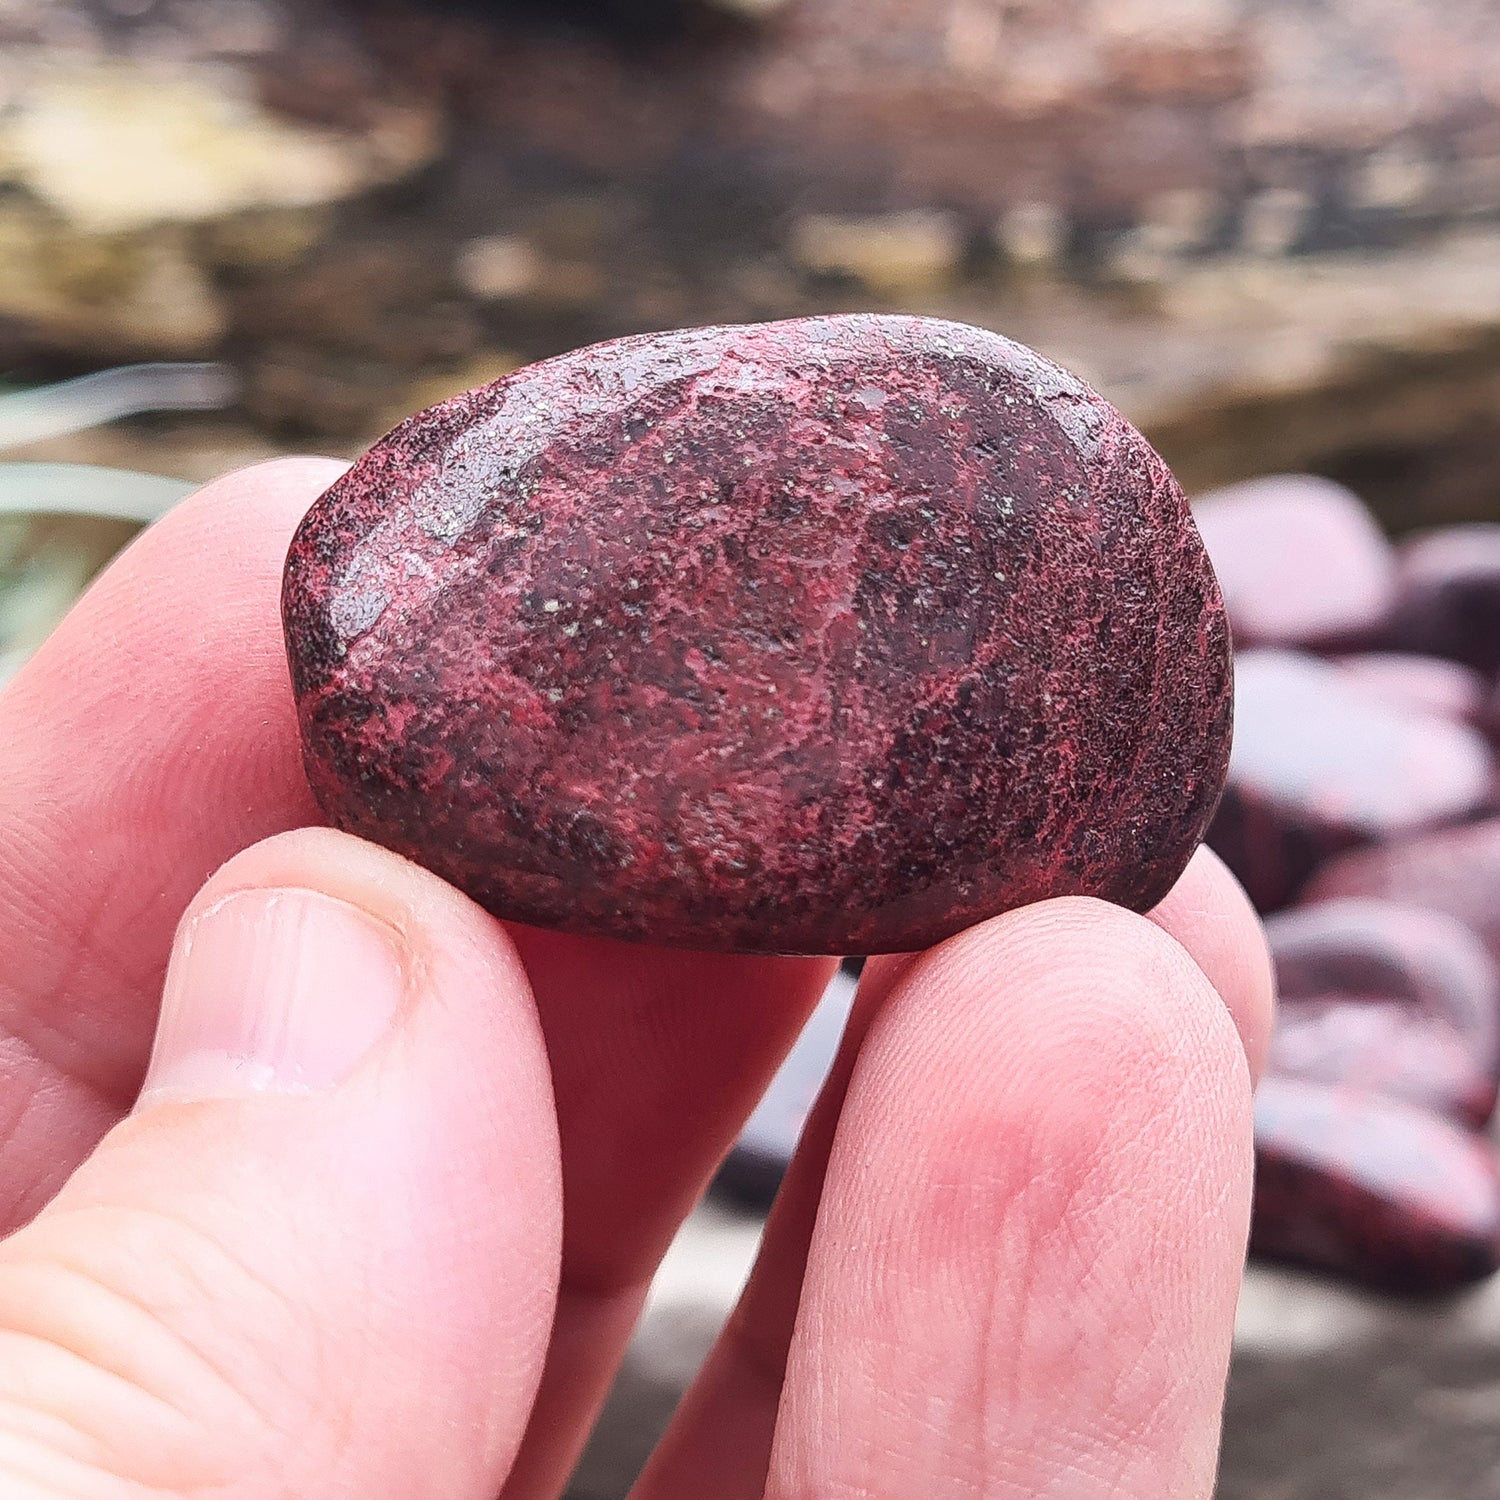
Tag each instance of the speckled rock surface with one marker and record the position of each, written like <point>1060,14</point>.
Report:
<point>1300,560</point>
<point>831,636</point>
<point>1319,767</point>
<point>1372,1189</point>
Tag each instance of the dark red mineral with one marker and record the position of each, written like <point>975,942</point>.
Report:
<point>1320,766</point>
<point>1379,1046</point>
<point>1300,560</point>
<point>1427,962</point>
<point>835,635</point>
<point>1448,595</point>
<point>1453,870</point>
<point>1372,1189</point>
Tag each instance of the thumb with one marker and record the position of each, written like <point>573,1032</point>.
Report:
<point>320,1257</point>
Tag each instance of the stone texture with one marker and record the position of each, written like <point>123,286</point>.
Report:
<point>829,636</point>
<point>1319,767</point>
<point>1426,961</point>
<point>1300,560</point>
<point>1372,1189</point>
<point>1453,870</point>
<point>1426,683</point>
<point>1449,595</point>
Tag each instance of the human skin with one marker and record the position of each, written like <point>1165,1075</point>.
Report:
<point>382,1217</point>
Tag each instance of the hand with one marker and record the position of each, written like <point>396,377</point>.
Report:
<point>380,1220</point>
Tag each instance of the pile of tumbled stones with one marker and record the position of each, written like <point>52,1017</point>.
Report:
<point>1361,816</point>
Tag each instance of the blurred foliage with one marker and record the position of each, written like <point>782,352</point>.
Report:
<point>45,563</point>
<point>60,523</point>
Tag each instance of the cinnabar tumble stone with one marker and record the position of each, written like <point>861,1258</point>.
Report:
<point>1300,560</point>
<point>835,635</point>
<point>1381,1046</point>
<point>1320,766</point>
<point>1452,870</point>
<point>1448,594</point>
<point>1429,963</point>
<point>1372,1189</point>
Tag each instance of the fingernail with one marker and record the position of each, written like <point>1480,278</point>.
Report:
<point>274,991</point>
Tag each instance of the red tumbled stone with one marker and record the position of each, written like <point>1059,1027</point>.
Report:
<point>835,635</point>
<point>1381,1046</point>
<point>1372,1189</point>
<point>1453,870</point>
<point>1319,767</point>
<point>1448,595</point>
<point>1429,684</point>
<point>1300,560</point>
<point>1489,714</point>
<point>1430,963</point>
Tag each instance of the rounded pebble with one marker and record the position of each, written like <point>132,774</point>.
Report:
<point>1300,560</point>
<point>1372,1189</point>
<point>1319,767</point>
<point>1448,595</point>
<point>1380,1046</point>
<point>1428,962</point>
<point>836,635</point>
<point>1452,870</point>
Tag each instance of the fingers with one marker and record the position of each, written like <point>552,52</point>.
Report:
<point>657,1058</point>
<point>149,739</point>
<point>1035,1294</point>
<point>152,737</point>
<point>1022,1265</point>
<point>320,1257</point>
<point>1208,912</point>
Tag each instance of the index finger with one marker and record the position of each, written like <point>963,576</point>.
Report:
<point>151,738</point>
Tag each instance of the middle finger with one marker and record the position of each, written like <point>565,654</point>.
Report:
<point>725,1425</point>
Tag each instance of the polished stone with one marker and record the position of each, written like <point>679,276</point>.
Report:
<point>836,635</point>
<point>1448,595</point>
<point>1300,560</point>
<point>1425,961</point>
<point>1374,1045</point>
<point>1319,767</point>
<point>1372,1190</point>
<point>1452,870</point>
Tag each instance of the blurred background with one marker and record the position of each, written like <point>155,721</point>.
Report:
<point>1268,229</point>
